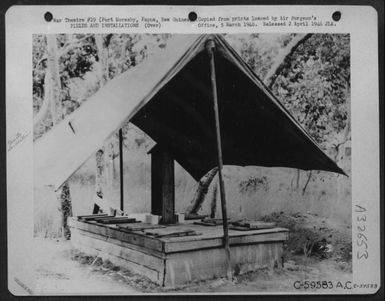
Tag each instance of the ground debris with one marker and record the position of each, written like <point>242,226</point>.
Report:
<point>313,236</point>
<point>291,265</point>
<point>217,283</point>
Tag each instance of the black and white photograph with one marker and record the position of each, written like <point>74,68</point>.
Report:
<point>193,162</point>
<point>126,133</point>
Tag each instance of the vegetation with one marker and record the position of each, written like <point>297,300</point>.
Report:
<point>312,81</point>
<point>310,74</point>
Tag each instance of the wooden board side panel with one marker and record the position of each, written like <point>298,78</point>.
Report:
<point>181,246</point>
<point>153,268</point>
<point>210,263</point>
<point>152,256</point>
<point>132,238</point>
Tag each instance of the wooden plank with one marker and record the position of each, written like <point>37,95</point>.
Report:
<point>151,252</point>
<point>139,227</point>
<point>99,218</point>
<point>91,216</point>
<point>130,252</point>
<point>215,232</point>
<point>184,267</point>
<point>203,223</point>
<point>117,220</point>
<point>253,224</point>
<point>181,267</point>
<point>121,256</point>
<point>170,233</point>
<point>211,236</point>
<point>241,228</point>
<point>114,232</point>
<point>162,185</point>
<point>180,246</point>
<point>261,238</point>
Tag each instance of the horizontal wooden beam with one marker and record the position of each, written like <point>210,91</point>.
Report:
<point>209,238</point>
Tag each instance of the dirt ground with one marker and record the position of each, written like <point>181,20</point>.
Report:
<point>58,273</point>
<point>317,250</point>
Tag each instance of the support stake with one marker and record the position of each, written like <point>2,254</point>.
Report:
<point>210,45</point>
<point>121,171</point>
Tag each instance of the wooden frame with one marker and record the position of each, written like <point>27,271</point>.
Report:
<point>162,185</point>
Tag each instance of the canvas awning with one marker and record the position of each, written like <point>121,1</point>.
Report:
<point>169,98</point>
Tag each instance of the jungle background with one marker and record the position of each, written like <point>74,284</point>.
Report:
<point>308,73</point>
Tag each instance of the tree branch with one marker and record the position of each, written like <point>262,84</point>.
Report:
<point>70,45</point>
<point>65,49</point>
<point>278,64</point>
<point>307,182</point>
<point>203,187</point>
<point>46,100</point>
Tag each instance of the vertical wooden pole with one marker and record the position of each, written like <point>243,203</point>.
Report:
<point>121,169</point>
<point>210,48</point>
<point>162,185</point>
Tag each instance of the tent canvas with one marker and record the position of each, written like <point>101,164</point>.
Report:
<point>169,97</point>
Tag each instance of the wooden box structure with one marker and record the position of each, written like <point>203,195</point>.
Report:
<point>172,261</point>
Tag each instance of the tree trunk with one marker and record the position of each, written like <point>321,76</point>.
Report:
<point>63,195</point>
<point>46,100</point>
<point>66,209</point>
<point>110,166</point>
<point>203,188</point>
<point>53,69</point>
<point>214,200</point>
<point>99,156</point>
<point>100,179</point>
<point>103,58</point>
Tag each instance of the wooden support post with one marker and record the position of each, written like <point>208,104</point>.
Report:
<point>121,170</point>
<point>210,49</point>
<point>162,185</point>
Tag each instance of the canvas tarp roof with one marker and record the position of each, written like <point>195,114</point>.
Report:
<point>169,97</point>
